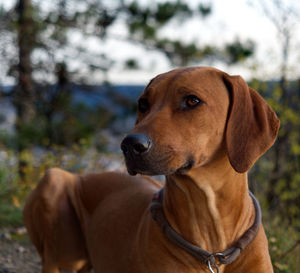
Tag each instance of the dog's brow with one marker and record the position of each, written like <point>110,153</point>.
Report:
<point>181,72</point>
<point>184,91</point>
<point>154,82</point>
<point>184,71</point>
<point>157,80</point>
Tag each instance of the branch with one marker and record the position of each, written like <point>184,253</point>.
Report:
<point>297,243</point>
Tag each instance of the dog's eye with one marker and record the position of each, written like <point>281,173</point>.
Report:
<point>143,105</point>
<point>191,101</point>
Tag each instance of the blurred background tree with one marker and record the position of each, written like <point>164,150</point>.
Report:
<point>277,176</point>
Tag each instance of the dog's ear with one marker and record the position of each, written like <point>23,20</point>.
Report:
<point>252,125</point>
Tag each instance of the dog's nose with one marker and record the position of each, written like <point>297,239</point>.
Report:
<point>136,143</point>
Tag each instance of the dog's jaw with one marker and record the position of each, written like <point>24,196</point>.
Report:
<point>147,169</point>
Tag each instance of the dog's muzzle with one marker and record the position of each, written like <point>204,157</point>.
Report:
<point>144,157</point>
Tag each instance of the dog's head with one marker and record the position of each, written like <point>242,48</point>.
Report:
<point>186,116</point>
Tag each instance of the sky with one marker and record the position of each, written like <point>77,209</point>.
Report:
<point>230,19</point>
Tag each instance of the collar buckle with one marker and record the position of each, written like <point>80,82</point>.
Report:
<point>212,261</point>
<point>211,264</point>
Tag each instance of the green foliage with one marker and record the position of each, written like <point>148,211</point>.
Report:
<point>238,51</point>
<point>277,174</point>
<point>131,64</point>
<point>205,9</point>
<point>10,215</point>
<point>10,211</point>
<point>48,33</point>
<point>145,22</point>
<point>166,11</point>
<point>283,245</point>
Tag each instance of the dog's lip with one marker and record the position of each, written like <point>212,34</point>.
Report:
<point>186,166</point>
<point>183,169</point>
<point>146,172</point>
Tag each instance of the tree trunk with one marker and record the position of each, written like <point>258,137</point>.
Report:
<point>24,93</point>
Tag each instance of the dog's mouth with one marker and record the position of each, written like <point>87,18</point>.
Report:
<point>145,168</point>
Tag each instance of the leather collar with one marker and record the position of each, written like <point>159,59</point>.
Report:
<point>210,259</point>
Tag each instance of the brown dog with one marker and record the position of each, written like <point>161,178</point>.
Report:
<point>201,128</point>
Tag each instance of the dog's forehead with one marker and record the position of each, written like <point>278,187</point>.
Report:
<point>185,77</point>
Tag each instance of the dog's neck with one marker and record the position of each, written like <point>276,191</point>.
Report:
<point>209,206</point>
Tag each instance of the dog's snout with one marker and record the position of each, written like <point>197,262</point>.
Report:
<point>136,143</point>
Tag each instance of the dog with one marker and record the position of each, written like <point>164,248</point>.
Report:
<point>201,128</point>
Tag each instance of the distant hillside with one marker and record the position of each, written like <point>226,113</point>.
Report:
<point>117,99</point>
